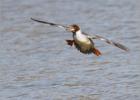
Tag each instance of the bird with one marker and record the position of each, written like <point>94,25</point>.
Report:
<point>83,41</point>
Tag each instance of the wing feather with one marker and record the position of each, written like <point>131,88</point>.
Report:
<point>109,42</point>
<point>50,23</point>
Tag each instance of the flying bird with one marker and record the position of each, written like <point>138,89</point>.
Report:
<point>81,40</point>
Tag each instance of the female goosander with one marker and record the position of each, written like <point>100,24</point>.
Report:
<point>82,41</point>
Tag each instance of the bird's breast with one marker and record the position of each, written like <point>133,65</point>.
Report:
<point>81,38</point>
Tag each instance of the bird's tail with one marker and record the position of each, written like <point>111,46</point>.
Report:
<point>96,52</point>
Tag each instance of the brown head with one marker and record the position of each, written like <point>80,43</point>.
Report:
<point>73,28</point>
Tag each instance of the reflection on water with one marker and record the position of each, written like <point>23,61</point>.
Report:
<point>36,63</point>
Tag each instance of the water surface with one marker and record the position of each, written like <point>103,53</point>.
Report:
<point>36,63</point>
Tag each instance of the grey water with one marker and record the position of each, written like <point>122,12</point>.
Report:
<point>37,64</point>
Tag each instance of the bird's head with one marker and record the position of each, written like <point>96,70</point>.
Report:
<point>73,28</point>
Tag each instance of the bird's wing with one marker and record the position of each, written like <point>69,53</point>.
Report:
<point>50,23</point>
<point>109,42</point>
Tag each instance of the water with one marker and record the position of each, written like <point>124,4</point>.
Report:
<point>36,63</point>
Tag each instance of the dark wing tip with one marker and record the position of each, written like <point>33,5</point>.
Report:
<point>121,46</point>
<point>33,19</point>
<point>49,23</point>
<point>40,21</point>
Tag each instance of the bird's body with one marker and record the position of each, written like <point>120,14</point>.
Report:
<point>82,41</point>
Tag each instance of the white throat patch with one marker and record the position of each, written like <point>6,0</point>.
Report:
<point>81,37</point>
<point>79,32</point>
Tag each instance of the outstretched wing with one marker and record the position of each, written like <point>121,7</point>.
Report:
<point>109,42</point>
<point>50,23</point>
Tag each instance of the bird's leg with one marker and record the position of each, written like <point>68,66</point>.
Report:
<point>96,52</point>
<point>70,42</point>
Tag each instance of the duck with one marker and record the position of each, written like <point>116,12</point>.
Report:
<point>83,41</point>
